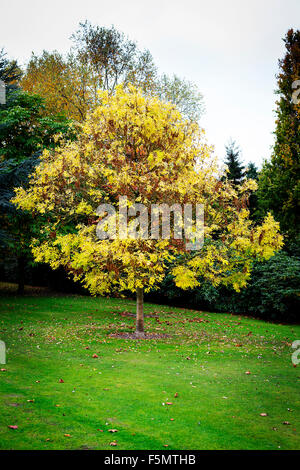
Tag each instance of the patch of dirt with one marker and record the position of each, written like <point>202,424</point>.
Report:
<point>129,314</point>
<point>135,336</point>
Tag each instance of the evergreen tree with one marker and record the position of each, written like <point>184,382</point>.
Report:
<point>251,171</point>
<point>10,72</point>
<point>235,167</point>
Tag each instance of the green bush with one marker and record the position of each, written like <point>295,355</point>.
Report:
<point>273,292</point>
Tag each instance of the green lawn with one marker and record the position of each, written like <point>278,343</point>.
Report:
<point>128,386</point>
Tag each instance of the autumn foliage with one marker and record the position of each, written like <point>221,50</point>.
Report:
<point>137,146</point>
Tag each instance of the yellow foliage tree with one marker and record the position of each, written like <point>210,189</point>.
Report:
<point>136,146</point>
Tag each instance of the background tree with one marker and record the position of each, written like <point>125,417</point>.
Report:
<point>252,171</point>
<point>136,146</point>
<point>10,72</point>
<point>279,184</point>
<point>101,58</point>
<point>66,85</point>
<point>183,94</point>
<point>25,129</point>
<point>235,167</point>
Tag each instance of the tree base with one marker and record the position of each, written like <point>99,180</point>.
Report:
<point>140,334</point>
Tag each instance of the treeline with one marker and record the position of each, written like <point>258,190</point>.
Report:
<point>46,104</point>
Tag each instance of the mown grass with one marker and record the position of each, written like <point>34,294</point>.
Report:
<point>128,386</point>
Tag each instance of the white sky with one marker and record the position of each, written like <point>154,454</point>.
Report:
<point>230,49</point>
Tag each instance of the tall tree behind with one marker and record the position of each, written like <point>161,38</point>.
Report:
<point>101,58</point>
<point>10,72</point>
<point>279,184</point>
<point>232,160</point>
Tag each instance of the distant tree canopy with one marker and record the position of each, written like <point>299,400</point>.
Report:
<point>101,58</point>
<point>279,183</point>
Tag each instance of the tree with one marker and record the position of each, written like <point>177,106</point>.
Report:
<point>10,72</point>
<point>279,183</point>
<point>252,171</point>
<point>100,59</point>
<point>138,147</point>
<point>235,167</point>
<point>65,84</point>
<point>113,57</point>
<point>183,94</point>
<point>25,129</point>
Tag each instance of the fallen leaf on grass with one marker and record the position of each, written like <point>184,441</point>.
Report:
<point>263,414</point>
<point>176,395</point>
<point>95,356</point>
<point>3,370</point>
<point>30,401</point>
<point>67,435</point>
<point>112,430</point>
<point>286,422</point>
<point>169,403</point>
<point>13,427</point>
<point>61,381</point>
<point>247,372</point>
<point>113,443</point>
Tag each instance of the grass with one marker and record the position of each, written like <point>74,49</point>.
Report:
<point>128,386</point>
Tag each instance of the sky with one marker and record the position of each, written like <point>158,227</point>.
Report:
<point>229,49</point>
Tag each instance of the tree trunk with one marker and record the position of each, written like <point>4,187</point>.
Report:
<point>21,274</point>
<point>140,312</point>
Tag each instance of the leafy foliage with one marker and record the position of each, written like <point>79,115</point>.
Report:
<point>25,127</point>
<point>136,146</point>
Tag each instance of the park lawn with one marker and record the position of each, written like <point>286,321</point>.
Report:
<point>128,387</point>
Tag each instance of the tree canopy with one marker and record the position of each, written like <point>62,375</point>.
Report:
<point>139,147</point>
